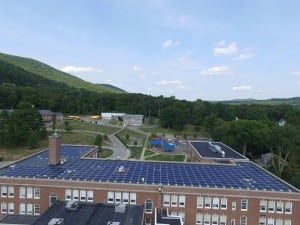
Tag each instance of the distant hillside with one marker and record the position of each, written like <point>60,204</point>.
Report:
<point>48,72</point>
<point>274,101</point>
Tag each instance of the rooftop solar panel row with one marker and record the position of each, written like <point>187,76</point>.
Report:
<point>243,175</point>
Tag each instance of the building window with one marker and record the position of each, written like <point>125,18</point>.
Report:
<point>223,219</point>
<point>287,222</point>
<point>182,215</point>
<point>233,206</point>
<point>4,191</point>
<point>148,206</point>
<point>37,209</point>
<point>37,192</point>
<point>207,202</point>
<point>244,220</point>
<point>82,195</point>
<point>215,204</point>
<point>125,198</point>
<point>22,192</point>
<point>199,202</point>
<point>68,194</point>
<point>270,221</point>
<point>262,220</point>
<point>110,197</point>
<point>279,207</point>
<point>166,200</point>
<point>288,208</point>
<point>279,222</point>
<point>3,207</point>
<point>148,221</point>
<point>244,204</point>
<point>181,201</point>
<point>76,195</point>
<point>207,219</point>
<point>11,207</point>
<point>174,200</point>
<point>199,218</point>
<point>118,197</point>
<point>263,206</point>
<point>215,219</point>
<point>133,198</point>
<point>271,206</point>
<point>90,196</point>
<point>22,209</point>
<point>29,192</point>
<point>223,203</point>
<point>11,191</point>
<point>232,222</point>
<point>29,209</point>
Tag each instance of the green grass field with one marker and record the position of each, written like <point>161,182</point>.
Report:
<point>164,157</point>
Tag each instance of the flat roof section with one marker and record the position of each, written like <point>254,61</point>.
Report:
<point>241,175</point>
<point>92,214</point>
<point>214,150</point>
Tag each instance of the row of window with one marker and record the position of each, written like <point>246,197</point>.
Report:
<point>79,195</point>
<point>28,209</point>
<point>272,206</point>
<point>121,197</point>
<point>271,221</point>
<point>208,219</point>
<point>174,200</point>
<point>24,192</point>
<point>211,202</point>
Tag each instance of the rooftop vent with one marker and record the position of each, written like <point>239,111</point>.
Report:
<point>120,208</point>
<point>216,149</point>
<point>113,223</point>
<point>72,205</point>
<point>56,221</point>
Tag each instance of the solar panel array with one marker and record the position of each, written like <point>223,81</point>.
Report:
<point>243,175</point>
<point>203,148</point>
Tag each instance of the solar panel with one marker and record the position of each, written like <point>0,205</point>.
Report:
<point>243,175</point>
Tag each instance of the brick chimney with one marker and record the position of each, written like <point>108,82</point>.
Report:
<point>54,151</point>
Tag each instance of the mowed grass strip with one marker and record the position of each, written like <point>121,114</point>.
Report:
<point>164,157</point>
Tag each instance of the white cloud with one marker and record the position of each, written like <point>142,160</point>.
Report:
<point>242,88</point>
<point>136,68</point>
<point>243,57</point>
<point>77,69</point>
<point>167,82</point>
<point>221,49</point>
<point>296,73</point>
<point>170,43</point>
<point>217,70</point>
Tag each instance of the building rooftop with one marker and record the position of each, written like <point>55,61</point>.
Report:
<point>19,219</point>
<point>93,214</point>
<point>75,167</point>
<point>215,149</point>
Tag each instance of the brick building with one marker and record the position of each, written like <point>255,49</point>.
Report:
<point>220,186</point>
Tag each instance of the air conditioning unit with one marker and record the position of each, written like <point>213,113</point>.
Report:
<point>56,221</point>
<point>72,205</point>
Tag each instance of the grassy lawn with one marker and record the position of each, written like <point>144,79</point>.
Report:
<point>129,137</point>
<point>164,157</point>
<point>135,152</point>
<point>105,153</point>
<point>78,125</point>
<point>77,138</point>
<point>148,153</point>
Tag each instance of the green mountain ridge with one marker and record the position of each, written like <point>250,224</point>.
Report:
<point>295,101</point>
<point>50,73</point>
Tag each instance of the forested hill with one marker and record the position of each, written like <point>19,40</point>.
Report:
<point>273,101</point>
<point>45,71</point>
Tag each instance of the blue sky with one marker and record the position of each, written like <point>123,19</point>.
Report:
<point>193,49</point>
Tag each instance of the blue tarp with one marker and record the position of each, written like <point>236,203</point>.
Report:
<point>155,142</point>
<point>168,146</point>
